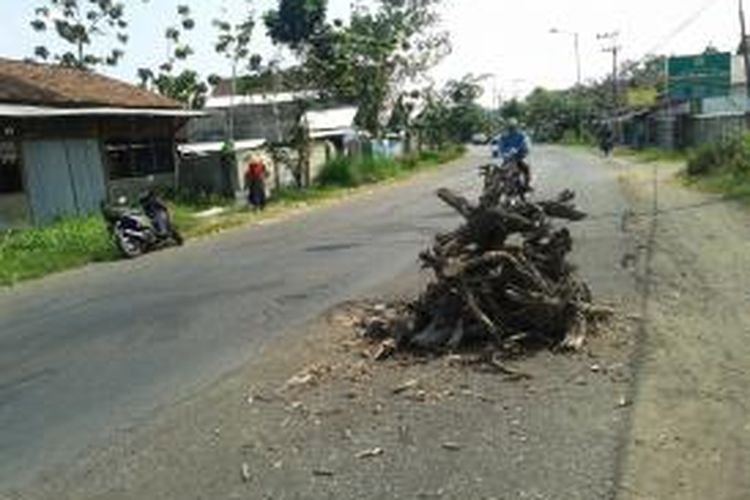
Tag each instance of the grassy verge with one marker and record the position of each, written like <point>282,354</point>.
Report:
<point>192,225</point>
<point>338,179</point>
<point>647,155</point>
<point>722,168</point>
<point>354,172</point>
<point>650,155</point>
<point>28,254</point>
<point>728,185</point>
<point>34,253</point>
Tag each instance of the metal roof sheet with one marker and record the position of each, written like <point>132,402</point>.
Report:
<point>23,111</point>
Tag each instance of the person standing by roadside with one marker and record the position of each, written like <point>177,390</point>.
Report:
<point>255,183</point>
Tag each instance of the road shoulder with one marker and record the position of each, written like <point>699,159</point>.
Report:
<point>690,434</point>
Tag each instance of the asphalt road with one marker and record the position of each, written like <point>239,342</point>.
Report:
<point>90,354</point>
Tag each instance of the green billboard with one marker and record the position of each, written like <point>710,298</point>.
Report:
<point>699,77</point>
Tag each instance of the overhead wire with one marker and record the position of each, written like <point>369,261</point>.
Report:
<point>689,21</point>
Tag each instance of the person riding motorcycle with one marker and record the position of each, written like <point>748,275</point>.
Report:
<point>514,144</point>
<point>606,139</point>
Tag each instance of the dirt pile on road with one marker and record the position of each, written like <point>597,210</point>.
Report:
<point>502,281</point>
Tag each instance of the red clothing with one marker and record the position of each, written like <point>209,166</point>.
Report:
<point>256,170</point>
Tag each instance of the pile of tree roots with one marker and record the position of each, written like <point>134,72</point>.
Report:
<point>502,280</point>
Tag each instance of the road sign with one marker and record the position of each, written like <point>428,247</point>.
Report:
<point>700,77</point>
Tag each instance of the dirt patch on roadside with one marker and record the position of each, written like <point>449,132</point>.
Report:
<point>691,433</point>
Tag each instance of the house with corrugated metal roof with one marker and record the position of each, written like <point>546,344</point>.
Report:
<point>257,123</point>
<point>71,138</point>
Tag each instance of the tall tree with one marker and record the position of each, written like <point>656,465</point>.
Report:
<point>453,114</point>
<point>233,42</point>
<point>296,22</point>
<point>369,60</point>
<point>467,117</point>
<point>185,86</point>
<point>94,32</point>
<point>432,122</point>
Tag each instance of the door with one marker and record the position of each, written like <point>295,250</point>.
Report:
<point>87,174</point>
<point>65,178</point>
<point>48,180</point>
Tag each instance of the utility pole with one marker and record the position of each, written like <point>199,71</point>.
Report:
<point>744,47</point>
<point>578,58</point>
<point>576,46</point>
<point>614,49</point>
<point>231,101</point>
<point>579,88</point>
<point>495,94</point>
<point>275,76</point>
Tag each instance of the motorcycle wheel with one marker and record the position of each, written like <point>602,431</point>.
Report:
<point>130,247</point>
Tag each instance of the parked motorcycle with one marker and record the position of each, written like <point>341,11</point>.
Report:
<point>145,228</point>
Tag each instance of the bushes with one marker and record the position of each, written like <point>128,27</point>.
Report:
<point>731,157</point>
<point>356,171</point>
<point>352,172</point>
<point>723,168</point>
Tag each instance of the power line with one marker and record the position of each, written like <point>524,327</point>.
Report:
<point>679,29</point>
<point>682,26</point>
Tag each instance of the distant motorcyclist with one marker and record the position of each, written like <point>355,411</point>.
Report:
<point>514,145</point>
<point>607,139</point>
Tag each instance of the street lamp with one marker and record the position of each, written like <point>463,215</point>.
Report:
<point>574,34</point>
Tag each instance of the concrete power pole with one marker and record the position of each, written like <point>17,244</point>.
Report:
<point>614,49</point>
<point>579,78</point>
<point>744,47</point>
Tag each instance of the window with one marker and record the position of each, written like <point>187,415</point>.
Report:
<point>11,177</point>
<point>139,159</point>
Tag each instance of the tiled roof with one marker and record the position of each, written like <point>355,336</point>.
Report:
<point>52,85</point>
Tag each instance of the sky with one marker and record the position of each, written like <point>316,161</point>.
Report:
<point>508,39</point>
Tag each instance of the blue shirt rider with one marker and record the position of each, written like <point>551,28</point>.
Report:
<point>514,143</point>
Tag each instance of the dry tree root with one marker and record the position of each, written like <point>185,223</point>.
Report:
<point>502,283</point>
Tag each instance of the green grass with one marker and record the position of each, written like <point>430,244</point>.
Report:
<point>726,184</point>
<point>192,226</point>
<point>722,168</point>
<point>651,155</point>
<point>33,253</point>
<point>341,178</point>
<point>354,172</point>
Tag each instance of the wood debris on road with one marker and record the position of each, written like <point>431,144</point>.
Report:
<point>245,472</point>
<point>502,282</point>
<point>374,452</point>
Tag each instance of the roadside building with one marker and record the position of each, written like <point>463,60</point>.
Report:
<point>264,125</point>
<point>204,168</point>
<point>70,139</point>
<point>704,106</point>
<point>269,116</point>
<point>332,133</point>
